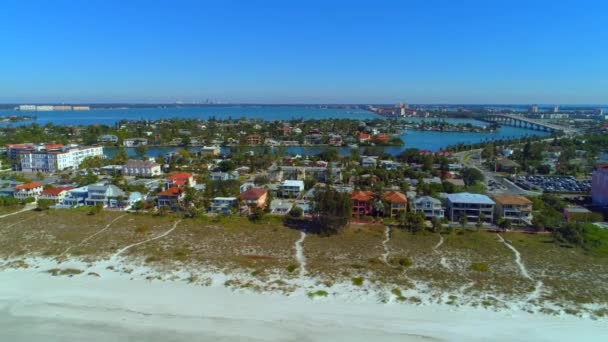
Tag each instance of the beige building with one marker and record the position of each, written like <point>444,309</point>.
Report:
<point>518,209</point>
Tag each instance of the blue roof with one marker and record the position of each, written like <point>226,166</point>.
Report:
<point>466,197</point>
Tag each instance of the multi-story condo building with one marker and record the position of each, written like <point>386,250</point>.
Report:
<point>599,186</point>
<point>429,206</point>
<point>474,207</point>
<point>141,168</point>
<point>57,159</point>
<point>517,209</point>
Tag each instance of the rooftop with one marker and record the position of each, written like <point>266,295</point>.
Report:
<point>515,200</point>
<point>29,186</point>
<point>253,193</point>
<point>395,197</point>
<point>466,197</point>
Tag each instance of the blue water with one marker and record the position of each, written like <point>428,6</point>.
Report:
<point>433,141</point>
<point>111,116</point>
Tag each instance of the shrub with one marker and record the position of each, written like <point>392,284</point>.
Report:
<point>319,293</point>
<point>291,268</point>
<point>480,267</point>
<point>142,229</point>
<point>403,261</point>
<point>358,281</point>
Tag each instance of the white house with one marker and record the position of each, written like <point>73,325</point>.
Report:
<point>28,190</point>
<point>55,194</point>
<point>141,168</point>
<point>133,142</point>
<point>291,188</point>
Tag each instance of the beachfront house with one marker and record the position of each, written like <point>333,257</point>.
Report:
<point>255,198</point>
<point>170,198</point>
<point>363,203</point>
<point>397,203</point>
<point>429,206</point>
<point>223,205</point>
<point>109,196</point>
<point>28,190</point>
<point>74,198</point>
<point>473,207</point>
<point>517,209</point>
<point>55,194</point>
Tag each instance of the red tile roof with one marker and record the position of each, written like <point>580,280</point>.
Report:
<point>56,191</point>
<point>29,186</point>
<point>253,194</point>
<point>363,196</point>
<point>182,175</point>
<point>395,197</point>
<point>382,137</point>
<point>364,136</point>
<point>171,192</point>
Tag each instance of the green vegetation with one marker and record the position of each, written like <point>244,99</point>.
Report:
<point>358,281</point>
<point>480,267</point>
<point>318,293</point>
<point>333,210</point>
<point>65,271</point>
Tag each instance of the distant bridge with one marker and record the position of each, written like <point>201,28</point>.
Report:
<point>524,122</point>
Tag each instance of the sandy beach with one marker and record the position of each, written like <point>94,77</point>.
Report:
<point>36,306</point>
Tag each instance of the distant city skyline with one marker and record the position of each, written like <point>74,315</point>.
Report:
<point>314,52</point>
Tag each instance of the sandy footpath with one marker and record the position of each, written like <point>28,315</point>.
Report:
<point>35,306</point>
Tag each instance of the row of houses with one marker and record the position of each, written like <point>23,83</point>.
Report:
<point>458,207</point>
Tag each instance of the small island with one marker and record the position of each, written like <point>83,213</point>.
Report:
<point>17,118</point>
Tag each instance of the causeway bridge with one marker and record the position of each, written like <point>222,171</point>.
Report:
<point>524,122</point>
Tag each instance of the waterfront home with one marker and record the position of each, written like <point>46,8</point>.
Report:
<point>363,202</point>
<point>429,206</point>
<point>369,162</point>
<point>254,139</point>
<point>313,139</point>
<point>107,138</point>
<point>28,190</point>
<point>74,198</point>
<point>397,203</point>
<point>255,198</point>
<point>473,207</point>
<point>335,140</point>
<point>223,176</point>
<point>517,209</point>
<point>210,150</point>
<point>109,196</point>
<point>390,165</point>
<point>170,198</point>
<point>134,142</point>
<point>141,168</point>
<point>291,188</point>
<point>55,194</point>
<point>223,205</point>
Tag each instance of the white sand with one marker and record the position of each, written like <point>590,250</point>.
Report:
<point>35,306</point>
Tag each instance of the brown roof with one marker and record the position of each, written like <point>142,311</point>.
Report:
<point>28,186</point>
<point>171,192</point>
<point>395,197</point>
<point>517,200</point>
<point>363,196</point>
<point>253,194</point>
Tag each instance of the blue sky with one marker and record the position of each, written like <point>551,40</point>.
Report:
<point>311,51</point>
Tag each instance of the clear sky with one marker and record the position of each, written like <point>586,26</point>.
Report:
<point>306,51</point>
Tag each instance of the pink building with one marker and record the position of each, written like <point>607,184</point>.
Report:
<point>599,186</point>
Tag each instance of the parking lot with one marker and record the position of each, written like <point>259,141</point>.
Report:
<point>553,184</point>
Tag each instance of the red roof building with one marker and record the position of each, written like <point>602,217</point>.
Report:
<point>363,202</point>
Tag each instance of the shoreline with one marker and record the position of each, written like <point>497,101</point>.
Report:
<point>121,306</point>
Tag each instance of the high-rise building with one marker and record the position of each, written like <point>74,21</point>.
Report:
<point>556,109</point>
<point>534,109</point>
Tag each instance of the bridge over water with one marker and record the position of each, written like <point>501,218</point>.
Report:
<point>524,122</point>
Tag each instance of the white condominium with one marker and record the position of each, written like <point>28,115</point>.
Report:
<point>53,160</point>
